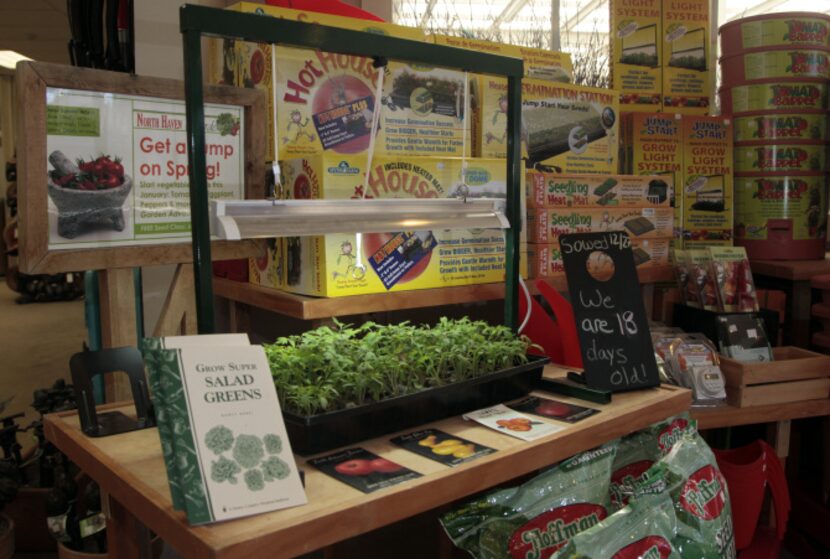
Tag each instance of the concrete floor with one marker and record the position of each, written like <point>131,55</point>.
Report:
<point>36,342</point>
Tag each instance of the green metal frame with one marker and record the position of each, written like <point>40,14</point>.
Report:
<point>196,21</point>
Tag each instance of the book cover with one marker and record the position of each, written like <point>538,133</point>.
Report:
<point>155,359</point>
<point>232,451</point>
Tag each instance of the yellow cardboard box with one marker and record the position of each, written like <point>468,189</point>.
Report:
<point>545,225</point>
<point>554,190</point>
<point>688,69</point>
<point>337,265</point>
<point>707,181</point>
<point>653,147</point>
<point>570,127</point>
<point>545,260</point>
<point>323,99</point>
<point>269,269</point>
<point>636,48</point>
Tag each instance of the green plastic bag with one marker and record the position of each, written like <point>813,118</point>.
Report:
<point>642,530</point>
<point>639,451</point>
<point>535,519</point>
<point>690,475</point>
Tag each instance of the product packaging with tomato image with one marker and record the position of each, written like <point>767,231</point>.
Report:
<point>536,519</point>
<point>503,419</point>
<point>351,264</point>
<point>554,409</point>
<point>442,447</point>
<point>363,470</point>
<point>645,529</point>
<point>690,475</point>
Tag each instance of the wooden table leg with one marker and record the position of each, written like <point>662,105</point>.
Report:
<point>778,436</point>
<point>800,314</point>
<point>127,538</point>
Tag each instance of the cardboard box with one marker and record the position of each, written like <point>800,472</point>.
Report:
<point>337,265</point>
<point>707,182</point>
<point>269,270</point>
<point>636,53</point>
<point>545,260</point>
<point>572,128</point>
<point>687,57</point>
<point>553,190</point>
<point>545,225</point>
<point>653,147</point>
<point>323,99</point>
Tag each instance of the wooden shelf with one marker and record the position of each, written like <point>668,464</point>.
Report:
<point>731,416</point>
<point>793,270</point>
<point>312,308</point>
<point>129,467</point>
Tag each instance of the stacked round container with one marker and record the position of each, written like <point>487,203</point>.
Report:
<point>775,70</point>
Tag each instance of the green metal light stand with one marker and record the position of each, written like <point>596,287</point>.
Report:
<point>197,21</point>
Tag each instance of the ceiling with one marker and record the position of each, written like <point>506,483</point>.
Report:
<point>36,28</point>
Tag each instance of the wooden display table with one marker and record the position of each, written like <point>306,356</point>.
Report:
<point>317,308</point>
<point>792,277</point>
<point>130,469</point>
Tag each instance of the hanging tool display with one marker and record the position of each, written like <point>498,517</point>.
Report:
<point>102,34</point>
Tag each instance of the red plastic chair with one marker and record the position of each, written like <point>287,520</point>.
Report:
<point>749,470</point>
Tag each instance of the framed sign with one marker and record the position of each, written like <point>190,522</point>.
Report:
<point>610,316</point>
<point>103,171</point>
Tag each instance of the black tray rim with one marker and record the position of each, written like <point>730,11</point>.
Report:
<point>534,361</point>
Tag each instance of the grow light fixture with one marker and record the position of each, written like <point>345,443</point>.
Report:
<point>254,219</point>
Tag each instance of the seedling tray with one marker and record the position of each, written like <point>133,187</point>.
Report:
<point>330,430</point>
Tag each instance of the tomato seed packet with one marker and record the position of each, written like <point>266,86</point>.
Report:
<point>554,409</point>
<point>503,419</point>
<point>363,470</point>
<point>451,450</point>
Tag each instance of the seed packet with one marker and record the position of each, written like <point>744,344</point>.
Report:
<point>638,451</point>
<point>689,474</point>
<point>698,261</point>
<point>692,360</point>
<point>742,337</point>
<point>729,267</point>
<point>681,273</point>
<point>504,420</point>
<point>644,529</point>
<point>363,470</point>
<point>539,517</point>
<point>554,409</point>
<point>437,445</point>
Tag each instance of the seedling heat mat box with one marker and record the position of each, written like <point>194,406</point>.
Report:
<point>693,319</point>
<point>327,431</point>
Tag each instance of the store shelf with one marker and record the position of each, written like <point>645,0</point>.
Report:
<point>312,308</point>
<point>793,270</point>
<point>129,467</point>
<point>731,416</point>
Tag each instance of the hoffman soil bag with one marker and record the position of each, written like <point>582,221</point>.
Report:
<point>690,475</point>
<point>642,530</point>
<point>536,519</point>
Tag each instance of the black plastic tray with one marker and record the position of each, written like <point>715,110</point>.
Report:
<point>326,431</point>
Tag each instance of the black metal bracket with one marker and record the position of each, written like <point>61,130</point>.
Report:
<point>89,364</point>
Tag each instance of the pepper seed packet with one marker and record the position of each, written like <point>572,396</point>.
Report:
<point>442,447</point>
<point>503,419</point>
<point>363,470</point>
<point>554,409</point>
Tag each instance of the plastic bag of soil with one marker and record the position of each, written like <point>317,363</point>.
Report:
<point>690,475</point>
<point>537,518</point>
<point>642,530</point>
<point>639,451</point>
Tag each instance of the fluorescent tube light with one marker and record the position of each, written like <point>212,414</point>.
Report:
<point>253,219</point>
<point>10,58</point>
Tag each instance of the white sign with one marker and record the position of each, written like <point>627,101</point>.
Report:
<point>118,174</point>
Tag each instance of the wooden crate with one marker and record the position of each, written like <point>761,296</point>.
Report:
<point>795,374</point>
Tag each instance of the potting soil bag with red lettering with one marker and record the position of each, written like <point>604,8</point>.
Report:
<point>639,451</point>
<point>537,518</point>
<point>690,475</point>
<point>642,530</point>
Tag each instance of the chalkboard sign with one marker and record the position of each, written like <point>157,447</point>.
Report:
<point>610,315</point>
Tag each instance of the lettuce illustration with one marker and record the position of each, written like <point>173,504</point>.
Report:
<point>248,451</point>
<point>219,439</point>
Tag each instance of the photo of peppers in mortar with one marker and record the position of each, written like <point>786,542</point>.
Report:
<point>89,193</point>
